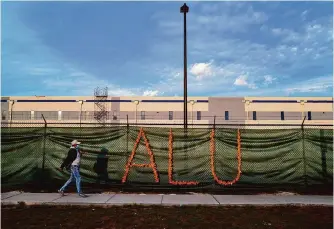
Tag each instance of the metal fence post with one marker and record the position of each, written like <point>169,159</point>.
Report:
<point>323,148</point>
<point>214,122</point>
<point>213,184</point>
<point>127,133</point>
<point>304,156</point>
<point>80,118</point>
<point>44,143</point>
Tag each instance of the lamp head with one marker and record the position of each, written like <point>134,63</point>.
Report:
<point>136,102</point>
<point>184,8</point>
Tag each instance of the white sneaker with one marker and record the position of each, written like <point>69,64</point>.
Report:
<point>82,195</point>
<point>61,192</point>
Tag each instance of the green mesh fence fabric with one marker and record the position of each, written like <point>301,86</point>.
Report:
<point>268,156</point>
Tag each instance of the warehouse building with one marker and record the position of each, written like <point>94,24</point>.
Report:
<point>168,110</point>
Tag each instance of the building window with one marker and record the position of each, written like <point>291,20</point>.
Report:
<point>84,115</point>
<point>282,115</point>
<point>21,115</point>
<point>199,115</point>
<point>114,115</point>
<point>142,115</point>
<point>226,115</point>
<point>70,115</point>
<point>170,115</point>
<point>309,115</point>
<point>254,115</point>
<point>4,115</point>
<point>48,115</point>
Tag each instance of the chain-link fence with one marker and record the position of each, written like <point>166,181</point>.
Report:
<point>157,156</point>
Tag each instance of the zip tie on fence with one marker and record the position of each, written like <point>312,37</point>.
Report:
<point>170,164</point>
<point>150,153</point>
<point>212,154</point>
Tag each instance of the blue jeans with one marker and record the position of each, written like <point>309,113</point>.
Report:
<point>74,175</point>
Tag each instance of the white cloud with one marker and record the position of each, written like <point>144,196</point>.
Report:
<point>268,79</point>
<point>227,20</point>
<point>312,33</point>
<point>151,93</point>
<point>223,75</point>
<point>319,84</point>
<point>77,82</point>
<point>201,70</point>
<point>287,34</point>
<point>206,43</point>
<point>223,16</point>
<point>241,81</point>
<point>304,14</point>
<point>42,71</point>
<point>252,86</point>
<point>117,91</point>
<point>232,58</point>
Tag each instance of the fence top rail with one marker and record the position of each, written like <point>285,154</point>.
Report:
<point>163,124</point>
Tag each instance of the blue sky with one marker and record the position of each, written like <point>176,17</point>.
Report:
<point>136,48</point>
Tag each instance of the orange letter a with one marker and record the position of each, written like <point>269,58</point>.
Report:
<point>151,164</point>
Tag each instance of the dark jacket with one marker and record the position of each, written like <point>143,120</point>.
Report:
<point>71,156</point>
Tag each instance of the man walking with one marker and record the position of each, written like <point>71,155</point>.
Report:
<point>72,161</point>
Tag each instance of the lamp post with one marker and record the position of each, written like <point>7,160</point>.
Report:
<point>192,102</point>
<point>185,9</point>
<point>11,112</point>
<point>80,117</point>
<point>136,102</point>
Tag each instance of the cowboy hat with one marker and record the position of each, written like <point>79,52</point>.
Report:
<point>75,142</point>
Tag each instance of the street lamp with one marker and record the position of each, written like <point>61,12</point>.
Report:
<point>247,102</point>
<point>80,117</point>
<point>11,102</point>
<point>136,102</point>
<point>192,102</point>
<point>185,9</point>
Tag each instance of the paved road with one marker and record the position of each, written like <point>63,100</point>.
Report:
<point>162,199</point>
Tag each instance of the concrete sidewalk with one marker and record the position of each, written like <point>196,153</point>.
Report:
<point>162,199</point>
